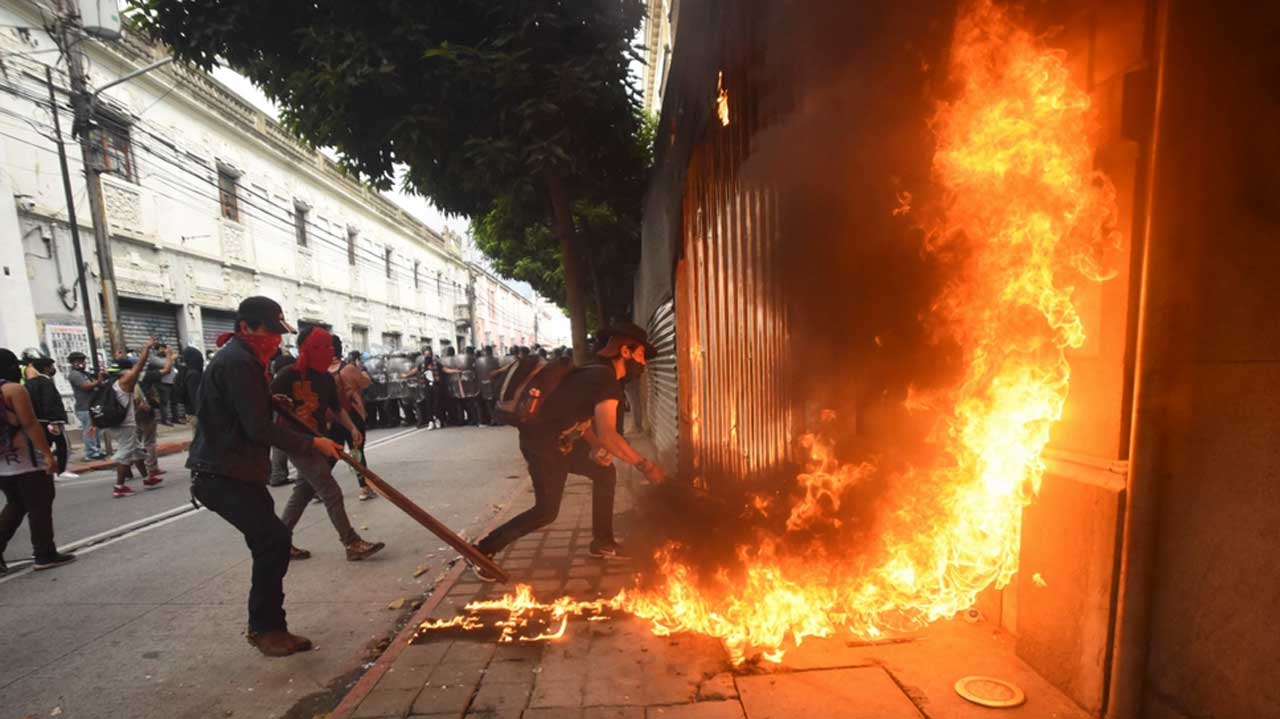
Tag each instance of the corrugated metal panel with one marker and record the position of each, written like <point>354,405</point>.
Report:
<point>140,321</point>
<point>662,411</point>
<point>732,311</point>
<point>214,323</point>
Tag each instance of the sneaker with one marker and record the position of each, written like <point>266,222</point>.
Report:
<point>57,560</point>
<point>361,549</point>
<point>68,475</point>
<point>295,553</point>
<point>607,550</point>
<point>481,573</point>
<point>152,481</point>
<point>121,490</point>
<point>278,643</point>
<point>365,494</point>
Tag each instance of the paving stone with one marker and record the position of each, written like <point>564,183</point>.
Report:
<point>385,703</point>
<point>448,673</point>
<point>548,587</point>
<point>509,672</point>
<point>510,714</point>
<point>578,587</point>
<point>525,651</point>
<point>586,572</point>
<point>499,697</point>
<point>404,676</point>
<point>701,710</point>
<point>511,564</point>
<point>422,655</point>
<point>548,573</point>
<point>620,712</point>
<point>435,699</point>
<point>564,693</point>
<point>720,686</point>
<point>555,713</point>
<point>469,652</point>
<point>864,693</point>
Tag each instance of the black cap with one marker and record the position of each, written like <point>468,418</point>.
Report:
<point>266,312</point>
<point>76,356</point>
<point>627,333</point>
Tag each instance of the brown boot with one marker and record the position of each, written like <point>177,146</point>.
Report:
<point>361,549</point>
<point>295,553</point>
<point>277,643</point>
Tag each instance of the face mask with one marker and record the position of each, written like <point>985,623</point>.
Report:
<point>264,346</point>
<point>633,370</point>
<point>53,372</point>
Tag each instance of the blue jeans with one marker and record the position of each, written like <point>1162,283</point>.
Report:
<point>92,448</point>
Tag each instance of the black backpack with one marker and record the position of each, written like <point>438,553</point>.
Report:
<point>529,382</point>
<point>105,409</point>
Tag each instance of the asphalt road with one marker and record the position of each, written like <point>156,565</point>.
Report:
<point>149,622</point>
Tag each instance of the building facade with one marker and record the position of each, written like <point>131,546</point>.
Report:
<point>659,36</point>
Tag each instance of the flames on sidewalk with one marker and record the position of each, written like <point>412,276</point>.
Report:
<point>1023,217</point>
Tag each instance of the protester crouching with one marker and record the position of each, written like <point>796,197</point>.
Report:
<point>229,463</point>
<point>26,467</point>
<point>311,392</point>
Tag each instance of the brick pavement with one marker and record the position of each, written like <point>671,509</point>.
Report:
<point>618,669</point>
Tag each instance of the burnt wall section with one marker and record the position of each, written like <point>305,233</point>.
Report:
<point>1213,294</point>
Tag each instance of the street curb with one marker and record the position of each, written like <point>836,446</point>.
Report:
<point>370,679</point>
<point>162,450</point>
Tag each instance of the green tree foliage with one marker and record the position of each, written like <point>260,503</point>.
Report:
<point>515,105</point>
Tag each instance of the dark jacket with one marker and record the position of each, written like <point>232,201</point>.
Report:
<point>194,362</point>
<point>234,431</point>
<point>45,399</point>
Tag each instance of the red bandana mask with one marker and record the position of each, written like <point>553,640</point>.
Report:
<point>316,352</point>
<point>263,346</point>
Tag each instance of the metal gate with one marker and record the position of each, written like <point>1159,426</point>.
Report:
<point>662,406</point>
<point>140,321</point>
<point>214,323</point>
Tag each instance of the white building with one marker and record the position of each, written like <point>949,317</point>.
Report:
<point>207,201</point>
<point>659,31</point>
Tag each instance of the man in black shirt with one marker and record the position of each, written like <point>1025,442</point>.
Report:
<point>47,402</point>
<point>575,432</point>
<point>313,393</point>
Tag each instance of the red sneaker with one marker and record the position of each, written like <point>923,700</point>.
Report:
<point>152,481</point>
<point>122,491</point>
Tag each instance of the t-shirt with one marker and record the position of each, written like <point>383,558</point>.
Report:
<point>17,453</point>
<point>313,395</point>
<point>569,409</point>
<point>130,402</point>
<point>78,379</point>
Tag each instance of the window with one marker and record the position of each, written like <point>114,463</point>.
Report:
<point>351,246</point>
<point>388,262</point>
<point>227,195</point>
<point>391,341</point>
<point>112,151</point>
<point>300,224</point>
<point>359,338</point>
<point>415,274</point>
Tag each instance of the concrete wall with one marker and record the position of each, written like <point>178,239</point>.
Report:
<point>1215,257</point>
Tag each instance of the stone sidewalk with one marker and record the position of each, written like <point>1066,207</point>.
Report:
<point>618,669</point>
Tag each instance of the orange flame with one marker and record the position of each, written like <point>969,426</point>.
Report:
<point>1014,163</point>
<point>722,100</point>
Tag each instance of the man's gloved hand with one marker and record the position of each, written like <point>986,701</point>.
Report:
<point>327,447</point>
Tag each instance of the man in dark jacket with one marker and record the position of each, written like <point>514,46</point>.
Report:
<point>230,460</point>
<point>47,403</point>
<point>191,378</point>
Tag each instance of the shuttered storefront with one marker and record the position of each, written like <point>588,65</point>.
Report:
<point>140,321</point>
<point>662,405</point>
<point>214,323</point>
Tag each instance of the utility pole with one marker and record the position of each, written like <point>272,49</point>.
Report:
<point>71,220</point>
<point>71,35</point>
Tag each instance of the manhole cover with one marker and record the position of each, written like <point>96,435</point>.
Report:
<point>990,692</point>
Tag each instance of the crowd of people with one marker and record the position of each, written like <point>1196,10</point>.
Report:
<point>257,409</point>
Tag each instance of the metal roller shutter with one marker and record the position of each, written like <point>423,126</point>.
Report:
<point>214,323</point>
<point>140,321</point>
<point>662,408</point>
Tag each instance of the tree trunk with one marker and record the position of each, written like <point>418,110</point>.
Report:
<point>572,262</point>
<point>597,292</point>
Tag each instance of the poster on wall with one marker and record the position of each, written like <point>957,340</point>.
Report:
<point>62,340</point>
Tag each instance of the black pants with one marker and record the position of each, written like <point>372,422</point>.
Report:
<point>339,434</point>
<point>425,409</point>
<point>29,495</point>
<point>250,509</point>
<point>548,469</point>
<point>58,442</point>
<point>166,403</point>
<point>474,413</point>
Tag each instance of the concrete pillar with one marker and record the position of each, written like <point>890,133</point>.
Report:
<point>18,320</point>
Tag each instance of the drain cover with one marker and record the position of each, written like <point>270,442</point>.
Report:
<point>990,692</point>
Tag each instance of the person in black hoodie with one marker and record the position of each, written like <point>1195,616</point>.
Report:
<point>47,402</point>
<point>229,461</point>
<point>192,376</point>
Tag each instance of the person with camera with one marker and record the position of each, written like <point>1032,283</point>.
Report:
<point>575,432</point>
<point>229,461</point>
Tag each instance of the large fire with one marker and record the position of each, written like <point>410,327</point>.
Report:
<point>1028,215</point>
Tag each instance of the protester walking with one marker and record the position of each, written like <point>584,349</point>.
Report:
<point>312,393</point>
<point>168,403</point>
<point>574,432</point>
<point>82,388</point>
<point>26,466</point>
<point>126,436</point>
<point>351,381</point>
<point>229,463</point>
<point>46,400</point>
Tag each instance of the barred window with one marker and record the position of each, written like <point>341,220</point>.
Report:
<point>227,195</point>
<point>112,150</point>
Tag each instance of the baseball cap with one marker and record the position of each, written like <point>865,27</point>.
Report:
<point>76,356</point>
<point>626,333</point>
<point>266,312</point>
